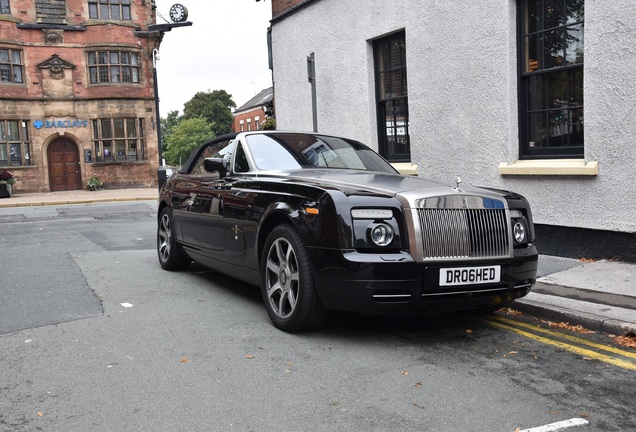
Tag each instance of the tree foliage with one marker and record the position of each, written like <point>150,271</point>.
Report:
<point>213,106</point>
<point>186,136</point>
<point>168,123</point>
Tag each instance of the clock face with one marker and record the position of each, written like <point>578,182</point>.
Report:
<point>178,13</point>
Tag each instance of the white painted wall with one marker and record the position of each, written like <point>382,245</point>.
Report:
<point>462,77</point>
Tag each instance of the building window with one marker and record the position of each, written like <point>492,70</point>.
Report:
<point>392,97</point>
<point>14,143</point>
<point>109,9</point>
<point>257,123</point>
<point>551,78</point>
<point>4,7</point>
<point>11,66</point>
<point>113,67</point>
<point>119,140</point>
<point>249,124</point>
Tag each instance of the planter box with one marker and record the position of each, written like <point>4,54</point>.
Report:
<point>6,191</point>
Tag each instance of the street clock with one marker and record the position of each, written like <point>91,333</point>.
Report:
<point>178,13</point>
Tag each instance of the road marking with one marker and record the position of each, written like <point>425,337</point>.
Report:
<point>565,346</point>
<point>559,426</point>
<point>575,339</point>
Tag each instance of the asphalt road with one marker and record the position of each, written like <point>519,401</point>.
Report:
<point>94,335</point>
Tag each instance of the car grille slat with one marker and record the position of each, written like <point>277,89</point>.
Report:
<point>464,233</point>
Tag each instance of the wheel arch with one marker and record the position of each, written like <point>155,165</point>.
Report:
<point>162,205</point>
<point>271,221</point>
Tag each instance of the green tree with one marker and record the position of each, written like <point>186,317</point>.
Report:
<point>185,137</point>
<point>168,123</point>
<point>215,107</point>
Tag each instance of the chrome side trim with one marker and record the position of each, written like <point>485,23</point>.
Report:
<point>392,296</point>
<point>464,292</point>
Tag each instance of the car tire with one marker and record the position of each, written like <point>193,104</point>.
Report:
<point>287,283</point>
<point>171,254</point>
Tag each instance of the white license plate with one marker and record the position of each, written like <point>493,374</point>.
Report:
<point>469,275</point>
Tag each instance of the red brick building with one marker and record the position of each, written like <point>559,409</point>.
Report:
<point>252,114</point>
<point>281,6</point>
<point>77,93</point>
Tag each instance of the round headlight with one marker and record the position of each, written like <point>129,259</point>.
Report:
<point>519,232</point>
<point>381,234</point>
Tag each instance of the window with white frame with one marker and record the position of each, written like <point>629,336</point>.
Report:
<point>551,78</point>
<point>11,67</point>
<point>14,143</point>
<point>109,9</point>
<point>119,139</point>
<point>113,67</point>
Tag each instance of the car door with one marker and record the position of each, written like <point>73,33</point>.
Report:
<point>200,211</point>
<point>237,201</point>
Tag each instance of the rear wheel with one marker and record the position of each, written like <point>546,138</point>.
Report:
<point>171,254</point>
<point>287,283</point>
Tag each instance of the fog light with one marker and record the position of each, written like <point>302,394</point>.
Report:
<point>519,232</point>
<point>381,234</point>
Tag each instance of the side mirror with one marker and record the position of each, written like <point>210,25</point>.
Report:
<point>216,165</point>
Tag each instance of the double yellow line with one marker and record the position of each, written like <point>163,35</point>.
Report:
<point>617,357</point>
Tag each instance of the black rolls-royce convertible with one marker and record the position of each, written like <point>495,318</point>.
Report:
<point>324,223</point>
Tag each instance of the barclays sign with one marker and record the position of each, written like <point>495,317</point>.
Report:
<point>39,124</point>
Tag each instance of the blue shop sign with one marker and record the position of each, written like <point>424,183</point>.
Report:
<point>57,123</point>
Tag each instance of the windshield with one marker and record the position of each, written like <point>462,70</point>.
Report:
<point>298,151</point>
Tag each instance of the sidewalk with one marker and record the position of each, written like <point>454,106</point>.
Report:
<point>79,197</point>
<point>600,296</point>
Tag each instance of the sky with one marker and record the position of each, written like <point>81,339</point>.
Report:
<point>224,49</point>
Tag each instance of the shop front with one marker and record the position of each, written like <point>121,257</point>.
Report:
<point>113,140</point>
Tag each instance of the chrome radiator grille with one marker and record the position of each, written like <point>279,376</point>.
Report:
<point>464,233</point>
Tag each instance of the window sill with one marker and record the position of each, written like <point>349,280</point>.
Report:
<point>575,167</point>
<point>122,162</point>
<point>406,168</point>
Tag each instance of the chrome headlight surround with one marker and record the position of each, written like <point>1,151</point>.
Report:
<point>375,229</point>
<point>380,234</point>
<point>520,228</point>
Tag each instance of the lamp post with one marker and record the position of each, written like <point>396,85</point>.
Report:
<point>155,58</point>
<point>179,15</point>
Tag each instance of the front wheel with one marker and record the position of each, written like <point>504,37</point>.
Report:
<point>171,254</point>
<point>287,283</point>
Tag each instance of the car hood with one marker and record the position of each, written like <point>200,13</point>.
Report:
<point>409,188</point>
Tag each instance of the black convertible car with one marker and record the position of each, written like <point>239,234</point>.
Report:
<point>321,222</point>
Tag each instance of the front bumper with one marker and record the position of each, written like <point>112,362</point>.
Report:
<point>397,284</point>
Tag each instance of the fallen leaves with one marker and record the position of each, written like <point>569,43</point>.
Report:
<point>185,360</point>
<point>510,311</point>
<point>628,340</point>
<point>587,260</point>
<point>573,328</point>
